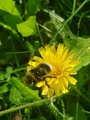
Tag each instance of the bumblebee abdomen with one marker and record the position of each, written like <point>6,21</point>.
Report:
<point>38,73</point>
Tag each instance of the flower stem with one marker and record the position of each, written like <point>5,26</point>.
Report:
<point>37,103</point>
<point>21,107</point>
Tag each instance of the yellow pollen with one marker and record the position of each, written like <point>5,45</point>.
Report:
<point>57,73</point>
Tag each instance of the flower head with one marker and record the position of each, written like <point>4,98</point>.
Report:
<point>62,62</point>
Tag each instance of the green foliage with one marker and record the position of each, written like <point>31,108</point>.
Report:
<point>28,94</point>
<point>15,96</point>
<point>12,20</point>
<point>33,6</point>
<point>82,50</point>
<point>7,7</point>
<point>25,26</point>
<point>28,27</point>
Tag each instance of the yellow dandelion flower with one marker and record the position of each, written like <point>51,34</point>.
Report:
<point>62,64</point>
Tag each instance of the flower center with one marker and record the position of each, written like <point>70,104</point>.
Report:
<point>56,72</point>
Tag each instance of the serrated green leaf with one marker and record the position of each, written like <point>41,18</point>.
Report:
<point>4,89</point>
<point>82,51</point>
<point>26,91</point>
<point>15,96</point>
<point>28,27</point>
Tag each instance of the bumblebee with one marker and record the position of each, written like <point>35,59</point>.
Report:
<point>38,73</point>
